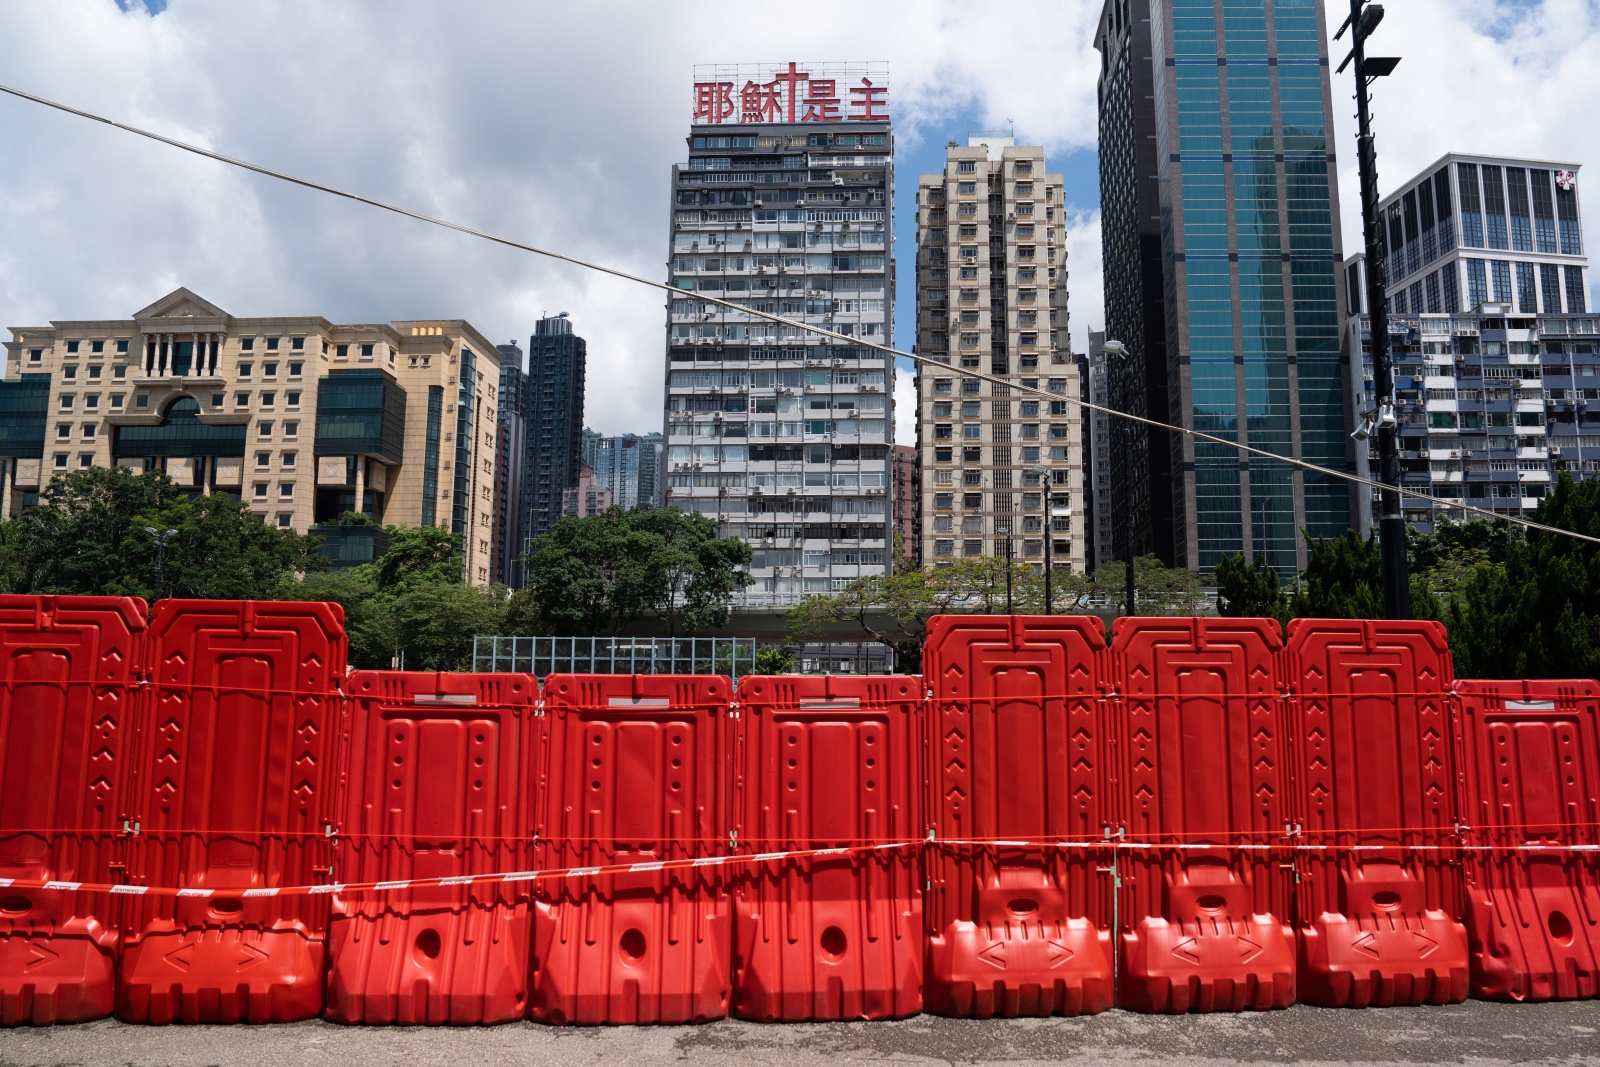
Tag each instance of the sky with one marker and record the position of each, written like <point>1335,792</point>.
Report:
<point>558,124</point>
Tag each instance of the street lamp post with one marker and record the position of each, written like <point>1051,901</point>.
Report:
<point>1008,569</point>
<point>1049,536</point>
<point>1364,18</point>
<point>1120,351</point>
<point>161,538</point>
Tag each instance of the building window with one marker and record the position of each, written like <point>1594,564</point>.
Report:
<point>94,372</point>
<point>241,399</point>
<point>298,344</point>
<point>119,373</point>
<point>259,490</point>
<point>88,431</point>
<point>272,344</point>
<point>1550,282</point>
<point>1477,282</point>
<point>1500,271</point>
<point>284,519</point>
<point>291,428</point>
<point>268,398</point>
<point>292,398</point>
<point>1576,304</point>
<point>245,369</point>
<point>116,400</point>
<point>247,344</point>
<point>966,166</point>
<point>91,401</point>
<point>972,548</point>
<point>264,429</point>
<point>61,460</point>
<point>288,458</point>
<point>69,373</point>
<point>366,350</point>
<point>263,459</point>
<point>66,402</point>
<point>269,370</point>
<point>35,355</point>
<point>286,489</point>
<point>141,400</point>
<point>63,431</point>
<point>72,346</point>
<point>86,459</point>
<point>295,368</point>
<point>122,348</point>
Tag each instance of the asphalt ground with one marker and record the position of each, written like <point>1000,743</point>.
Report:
<point>1476,1033</point>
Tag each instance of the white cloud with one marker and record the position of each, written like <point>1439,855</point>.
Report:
<point>557,124</point>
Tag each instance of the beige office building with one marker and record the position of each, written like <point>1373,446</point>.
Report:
<point>301,419</point>
<point>992,297</point>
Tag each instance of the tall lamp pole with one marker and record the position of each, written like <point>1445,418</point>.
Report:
<point>1120,351</point>
<point>1049,536</point>
<point>1364,18</point>
<point>161,538</point>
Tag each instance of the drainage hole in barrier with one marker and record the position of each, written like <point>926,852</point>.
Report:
<point>226,906</point>
<point>1211,902</point>
<point>834,942</point>
<point>428,945</point>
<point>632,946</point>
<point>1560,927</point>
<point>1386,900</point>
<point>1023,906</point>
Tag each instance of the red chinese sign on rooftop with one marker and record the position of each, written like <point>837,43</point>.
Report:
<point>791,93</point>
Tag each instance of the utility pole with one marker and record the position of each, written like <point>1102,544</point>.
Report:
<point>1118,350</point>
<point>1364,18</point>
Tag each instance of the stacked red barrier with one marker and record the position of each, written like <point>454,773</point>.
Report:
<point>205,819</point>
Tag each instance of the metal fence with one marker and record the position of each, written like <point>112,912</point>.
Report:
<point>734,656</point>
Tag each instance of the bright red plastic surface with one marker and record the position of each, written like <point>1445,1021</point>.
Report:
<point>68,671</point>
<point>1378,926</point>
<point>1530,773</point>
<point>828,762</point>
<point>1206,763</point>
<point>633,769</point>
<point>234,789</point>
<point>434,784</point>
<point>1018,749</point>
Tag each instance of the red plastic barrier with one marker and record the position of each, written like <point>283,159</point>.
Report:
<point>234,790</point>
<point>1018,752</point>
<point>434,784</point>
<point>828,763</point>
<point>633,770</point>
<point>1206,763</point>
<point>68,667</point>
<point>1530,770</point>
<point>1380,896</point>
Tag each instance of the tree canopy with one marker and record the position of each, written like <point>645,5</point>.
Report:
<point>88,536</point>
<point>595,575</point>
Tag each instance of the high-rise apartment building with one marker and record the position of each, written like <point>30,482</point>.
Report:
<point>1496,353</point>
<point>784,205</point>
<point>511,448</point>
<point>556,359</point>
<point>998,464</point>
<point>586,498</point>
<point>299,418</point>
<point>1221,244</point>
<point>628,466</point>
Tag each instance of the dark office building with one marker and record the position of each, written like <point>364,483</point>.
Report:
<point>1221,245</point>
<point>511,445</point>
<point>554,406</point>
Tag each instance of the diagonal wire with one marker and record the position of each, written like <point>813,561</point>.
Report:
<point>1080,403</point>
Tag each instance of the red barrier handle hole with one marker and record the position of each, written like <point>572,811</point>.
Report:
<point>227,906</point>
<point>1560,927</point>
<point>428,945</point>
<point>1211,902</point>
<point>1023,906</point>
<point>632,946</point>
<point>16,905</point>
<point>1387,900</point>
<point>834,943</point>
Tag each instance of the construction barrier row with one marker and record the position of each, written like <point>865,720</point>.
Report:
<point>206,819</point>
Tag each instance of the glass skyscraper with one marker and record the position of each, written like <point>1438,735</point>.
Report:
<point>1222,250</point>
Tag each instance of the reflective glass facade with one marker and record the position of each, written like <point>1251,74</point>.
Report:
<point>360,412</point>
<point>1248,244</point>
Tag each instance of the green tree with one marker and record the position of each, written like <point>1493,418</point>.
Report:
<point>1249,589</point>
<point>771,659</point>
<point>1157,588</point>
<point>1538,614</point>
<point>88,536</point>
<point>434,623</point>
<point>1342,579</point>
<point>596,575</point>
<point>416,555</point>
